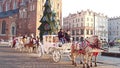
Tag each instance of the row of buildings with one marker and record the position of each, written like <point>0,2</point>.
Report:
<point>88,23</point>
<point>21,17</point>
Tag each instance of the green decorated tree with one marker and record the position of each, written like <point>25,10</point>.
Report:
<point>48,22</point>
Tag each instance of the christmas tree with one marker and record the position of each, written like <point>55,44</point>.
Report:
<point>48,21</point>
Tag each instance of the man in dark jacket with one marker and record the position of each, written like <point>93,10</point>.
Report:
<point>61,36</point>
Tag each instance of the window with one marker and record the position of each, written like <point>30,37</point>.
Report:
<point>91,32</point>
<point>73,32</point>
<point>33,7</point>
<point>77,32</point>
<point>57,6</point>
<point>1,8</point>
<point>87,31</point>
<point>92,25</point>
<point>13,30</point>
<point>81,39</point>
<point>81,19</point>
<point>7,6</point>
<point>73,39</point>
<point>73,25</point>
<point>87,24</point>
<point>14,5</point>
<point>21,13</point>
<point>91,19</point>
<point>81,24</point>
<point>77,38</point>
<point>73,21</point>
<point>117,27</point>
<point>58,14</point>
<point>87,19</point>
<point>3,27</point>
<point>82,31</point>
<point>77,25</point>
<point>78,20</point>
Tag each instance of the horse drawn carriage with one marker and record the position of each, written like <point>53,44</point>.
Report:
<point>52,46</point>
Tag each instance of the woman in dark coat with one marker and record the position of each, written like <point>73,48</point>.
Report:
<point>67,36</point>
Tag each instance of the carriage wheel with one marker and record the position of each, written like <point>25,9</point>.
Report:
<point>39,51</point>
<point>56,56</point>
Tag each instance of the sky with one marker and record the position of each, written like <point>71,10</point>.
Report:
<point>111,8</point>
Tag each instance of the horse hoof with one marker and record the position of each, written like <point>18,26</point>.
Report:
<point>75,64</point>
<point>95,65</point>
<point>83,66</point>
<point>90,65</point>
<point>81,63</point>
<point>72,62</point>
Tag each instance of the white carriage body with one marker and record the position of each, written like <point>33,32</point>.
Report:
<point>53,42</point>
<point>48,41</point>
<point>52,45</point>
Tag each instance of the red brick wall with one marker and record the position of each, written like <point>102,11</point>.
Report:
<point>8,20</point>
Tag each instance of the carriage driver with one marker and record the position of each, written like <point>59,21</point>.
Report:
<point>61,36</point>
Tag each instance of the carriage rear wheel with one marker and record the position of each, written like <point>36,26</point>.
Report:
<point>56,56</point>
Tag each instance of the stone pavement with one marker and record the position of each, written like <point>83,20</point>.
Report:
<point>11,58</point>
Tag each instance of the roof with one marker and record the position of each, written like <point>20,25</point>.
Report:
<point>8,13</point>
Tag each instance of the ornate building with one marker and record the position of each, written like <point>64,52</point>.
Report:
<point>21,17</point>
<point>80,24</point>
<point>86,24</point>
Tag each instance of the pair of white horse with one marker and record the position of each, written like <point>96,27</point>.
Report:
<point>23,44</point>
<point>86,53</point>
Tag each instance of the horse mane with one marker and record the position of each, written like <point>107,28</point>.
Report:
<point>90,39</point>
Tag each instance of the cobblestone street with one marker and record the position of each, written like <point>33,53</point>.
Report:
<point>11,58</point>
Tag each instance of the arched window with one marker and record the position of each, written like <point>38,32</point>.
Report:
<point>13,30</point>
<point>3,27</point>
<point>7,6</point>
<point>14,5</point>
<point>1,8</point>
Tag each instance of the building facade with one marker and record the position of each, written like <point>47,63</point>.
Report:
<point>80,24</point>
<point>86,24</point>
<point>101,27</point>
<point>8,16</point>
<point>114,29</point>
<point>21,17</point>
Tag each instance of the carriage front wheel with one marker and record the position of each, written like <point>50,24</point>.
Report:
<point>56,56</point>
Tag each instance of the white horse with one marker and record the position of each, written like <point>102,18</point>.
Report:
<point>19,43</point>
<point>87,53</point>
